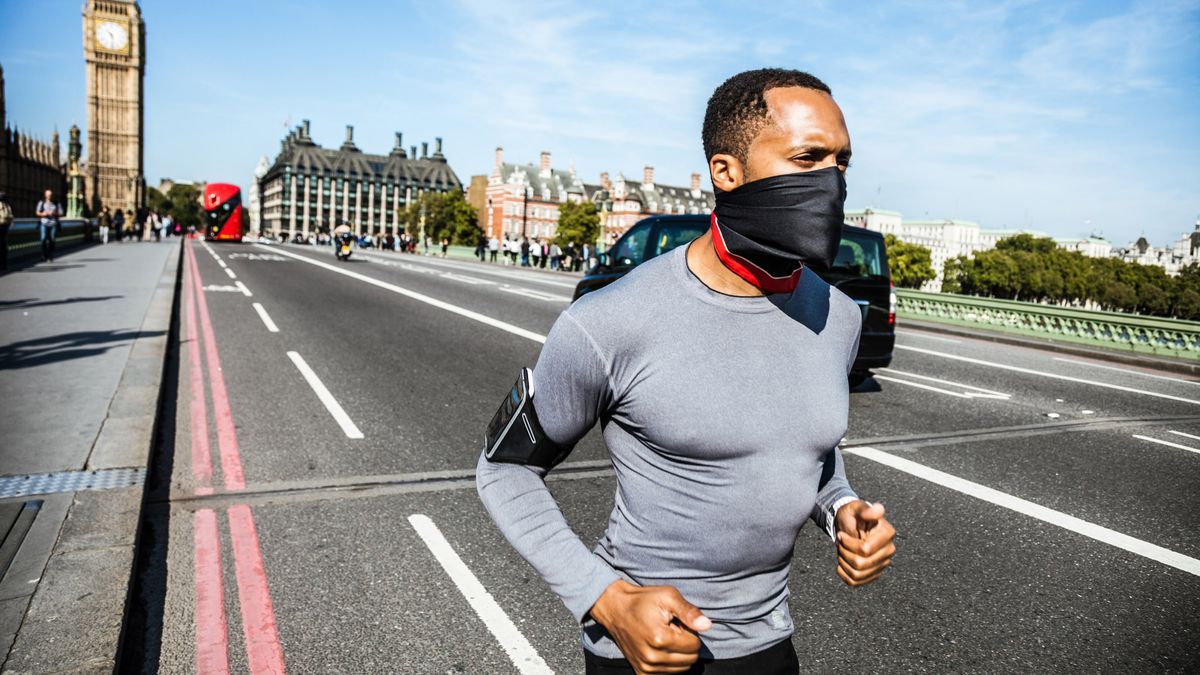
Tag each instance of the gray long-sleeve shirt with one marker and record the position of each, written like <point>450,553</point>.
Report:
<point>722,415</point>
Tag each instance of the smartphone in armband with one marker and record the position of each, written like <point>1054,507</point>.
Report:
<point>515,436</point>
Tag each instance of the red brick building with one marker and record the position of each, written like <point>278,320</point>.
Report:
<point>523,200</point>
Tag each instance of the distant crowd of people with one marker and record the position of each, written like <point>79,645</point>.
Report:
<point>510,251</point>
<point>404,243</point>
<point>140,224</point>
<point>537,252</point>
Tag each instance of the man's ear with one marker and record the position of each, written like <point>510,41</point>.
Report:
<point>726,171</point>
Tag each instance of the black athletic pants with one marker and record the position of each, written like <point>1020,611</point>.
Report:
<point>778,659</point>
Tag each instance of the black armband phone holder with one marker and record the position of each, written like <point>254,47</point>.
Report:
<point>515,436</point>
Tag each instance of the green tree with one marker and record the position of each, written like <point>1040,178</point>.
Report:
<point>447,215</point>
<point>578,222</point>
<point>1027,243</point>
<point>1187,305</point>
<point>911,264</point>
<point>184,205</point>
<point>157,201</point>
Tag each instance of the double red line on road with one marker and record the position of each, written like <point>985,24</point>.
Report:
<point>264,653</point>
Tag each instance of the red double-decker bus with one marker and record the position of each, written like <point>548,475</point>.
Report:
<point>222,212</point>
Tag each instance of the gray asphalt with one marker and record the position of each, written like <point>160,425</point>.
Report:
<point>976,587</point>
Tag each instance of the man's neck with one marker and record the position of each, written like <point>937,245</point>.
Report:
<point>702,260</point>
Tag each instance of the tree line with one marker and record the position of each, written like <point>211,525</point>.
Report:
<point>1035,269</point>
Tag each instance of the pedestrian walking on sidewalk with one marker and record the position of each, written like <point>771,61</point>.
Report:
<point>545,246</point>
<point>49,211</point>
<point>445,246</point>
<point>156,226</point>
<point>525,252</point>
<point>104,221</point>
<point>118,224</point>
<point>481,247</point>
<point>139,221</point>
<point>168,225</point>
<point>555,256</point>
<point>493,247</point>
<point>535,252</point>
<point>6,220</point>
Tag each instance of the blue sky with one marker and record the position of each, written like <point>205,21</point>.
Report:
<point>1067,117</point>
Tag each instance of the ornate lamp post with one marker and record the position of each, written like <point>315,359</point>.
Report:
<point>525,211</point>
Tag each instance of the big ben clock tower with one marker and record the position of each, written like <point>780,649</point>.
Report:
<point>114,45</point>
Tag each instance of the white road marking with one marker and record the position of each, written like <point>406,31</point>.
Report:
<point>918,385</point>
<point>465,279</point>
<point>928,337</point>
<point>327,398</point>
<point>221,262</point>
<point>1180,433</point>
<point>229,272</point>
<point>1052,376</point>
<point>474,316</point>
<point>987,494</point>
<point>245,291</point>
<point>533,277</point>
<point>1125,370</point>
<point>1167,443</point>
<point>536,295</point>
<point>522,654</point>
<point>985,393</point>
<point>227,289</point>
<point>262,314</point>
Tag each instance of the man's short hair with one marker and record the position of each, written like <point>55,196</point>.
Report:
<point>737,110</point>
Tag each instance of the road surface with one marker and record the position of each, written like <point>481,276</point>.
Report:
<point>321,514</point>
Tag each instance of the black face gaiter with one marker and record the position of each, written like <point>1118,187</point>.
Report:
<point>767,230</point>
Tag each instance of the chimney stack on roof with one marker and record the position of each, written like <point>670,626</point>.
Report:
<point>424,149</point>
<point>413,151</point>
<point>304,125</point>
<point>695,182</point>
<point>648,175</point>
<point>499,155</point>
<point>545,162</point>
<point>437,148</point>
<point>604,181</point>
<point>348,144</point>
<point>398,146</point>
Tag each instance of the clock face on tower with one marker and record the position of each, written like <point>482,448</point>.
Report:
<point>112,36</point>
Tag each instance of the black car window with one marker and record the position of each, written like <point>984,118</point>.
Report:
<point>859,255</point>
<point>632,247</point>
<point>674,235</point>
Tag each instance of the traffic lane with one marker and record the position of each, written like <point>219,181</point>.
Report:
<point>909,406</point>
<point>355,590</point>
<point>978,588</point>
<point>1050,361</point>
<point>283,430</point>
<point>522,304</point>
<point>1109,477</point>
<point>971,573</point>
<point>420,383</point>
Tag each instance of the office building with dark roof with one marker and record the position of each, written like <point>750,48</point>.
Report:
<point>313,189</point>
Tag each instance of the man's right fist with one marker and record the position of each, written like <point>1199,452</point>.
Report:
<point>653,625</point>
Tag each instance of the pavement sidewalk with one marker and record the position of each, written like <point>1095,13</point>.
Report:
<point>82,348</point>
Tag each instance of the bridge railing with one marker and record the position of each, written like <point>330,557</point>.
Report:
<point>1114,330</point>
<point>24,238</point>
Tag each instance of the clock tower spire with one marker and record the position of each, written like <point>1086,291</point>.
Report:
<point>114,47</point>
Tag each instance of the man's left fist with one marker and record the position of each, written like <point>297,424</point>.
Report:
<point>864,542</point>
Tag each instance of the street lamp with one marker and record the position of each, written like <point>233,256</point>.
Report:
<point>525,211</point>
